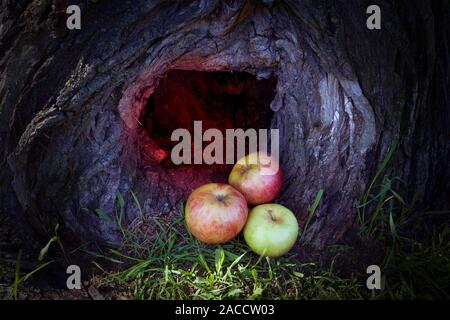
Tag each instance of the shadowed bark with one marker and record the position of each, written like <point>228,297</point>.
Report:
<point>70,103</point>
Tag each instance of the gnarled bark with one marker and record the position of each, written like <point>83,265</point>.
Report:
<point>71,100</point>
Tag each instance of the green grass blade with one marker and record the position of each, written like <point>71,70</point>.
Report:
<point>45,249</point>
<point>380,170</point>
<point>38,268</point>
<point>136,201</point>
<point>16,283</point>
<point>103,215</point>
<point>312,211</point>
<point>219,258</point>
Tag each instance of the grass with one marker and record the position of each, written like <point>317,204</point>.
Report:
<point>312,212</point>
<point>369,216</point>
<point>417,260</point>
<point>174,265</point>
<point>177,266</point>
<point>418,269</point>
<point>19,278</point>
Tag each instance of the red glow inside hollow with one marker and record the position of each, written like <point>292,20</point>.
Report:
<point>221,100</point>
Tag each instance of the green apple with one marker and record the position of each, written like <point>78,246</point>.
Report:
<point>271,230</point>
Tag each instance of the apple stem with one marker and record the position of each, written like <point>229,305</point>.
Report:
<point>271,215</point>
<point>220,197</point>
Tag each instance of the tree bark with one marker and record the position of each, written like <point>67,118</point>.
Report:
<point>70,103</point>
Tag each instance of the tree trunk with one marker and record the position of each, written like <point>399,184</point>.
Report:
<point>73,104</point>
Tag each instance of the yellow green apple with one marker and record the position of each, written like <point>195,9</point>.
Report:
<point>271,230</point>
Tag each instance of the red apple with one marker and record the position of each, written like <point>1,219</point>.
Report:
<point>258,177</point>
<point>216,213</point>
